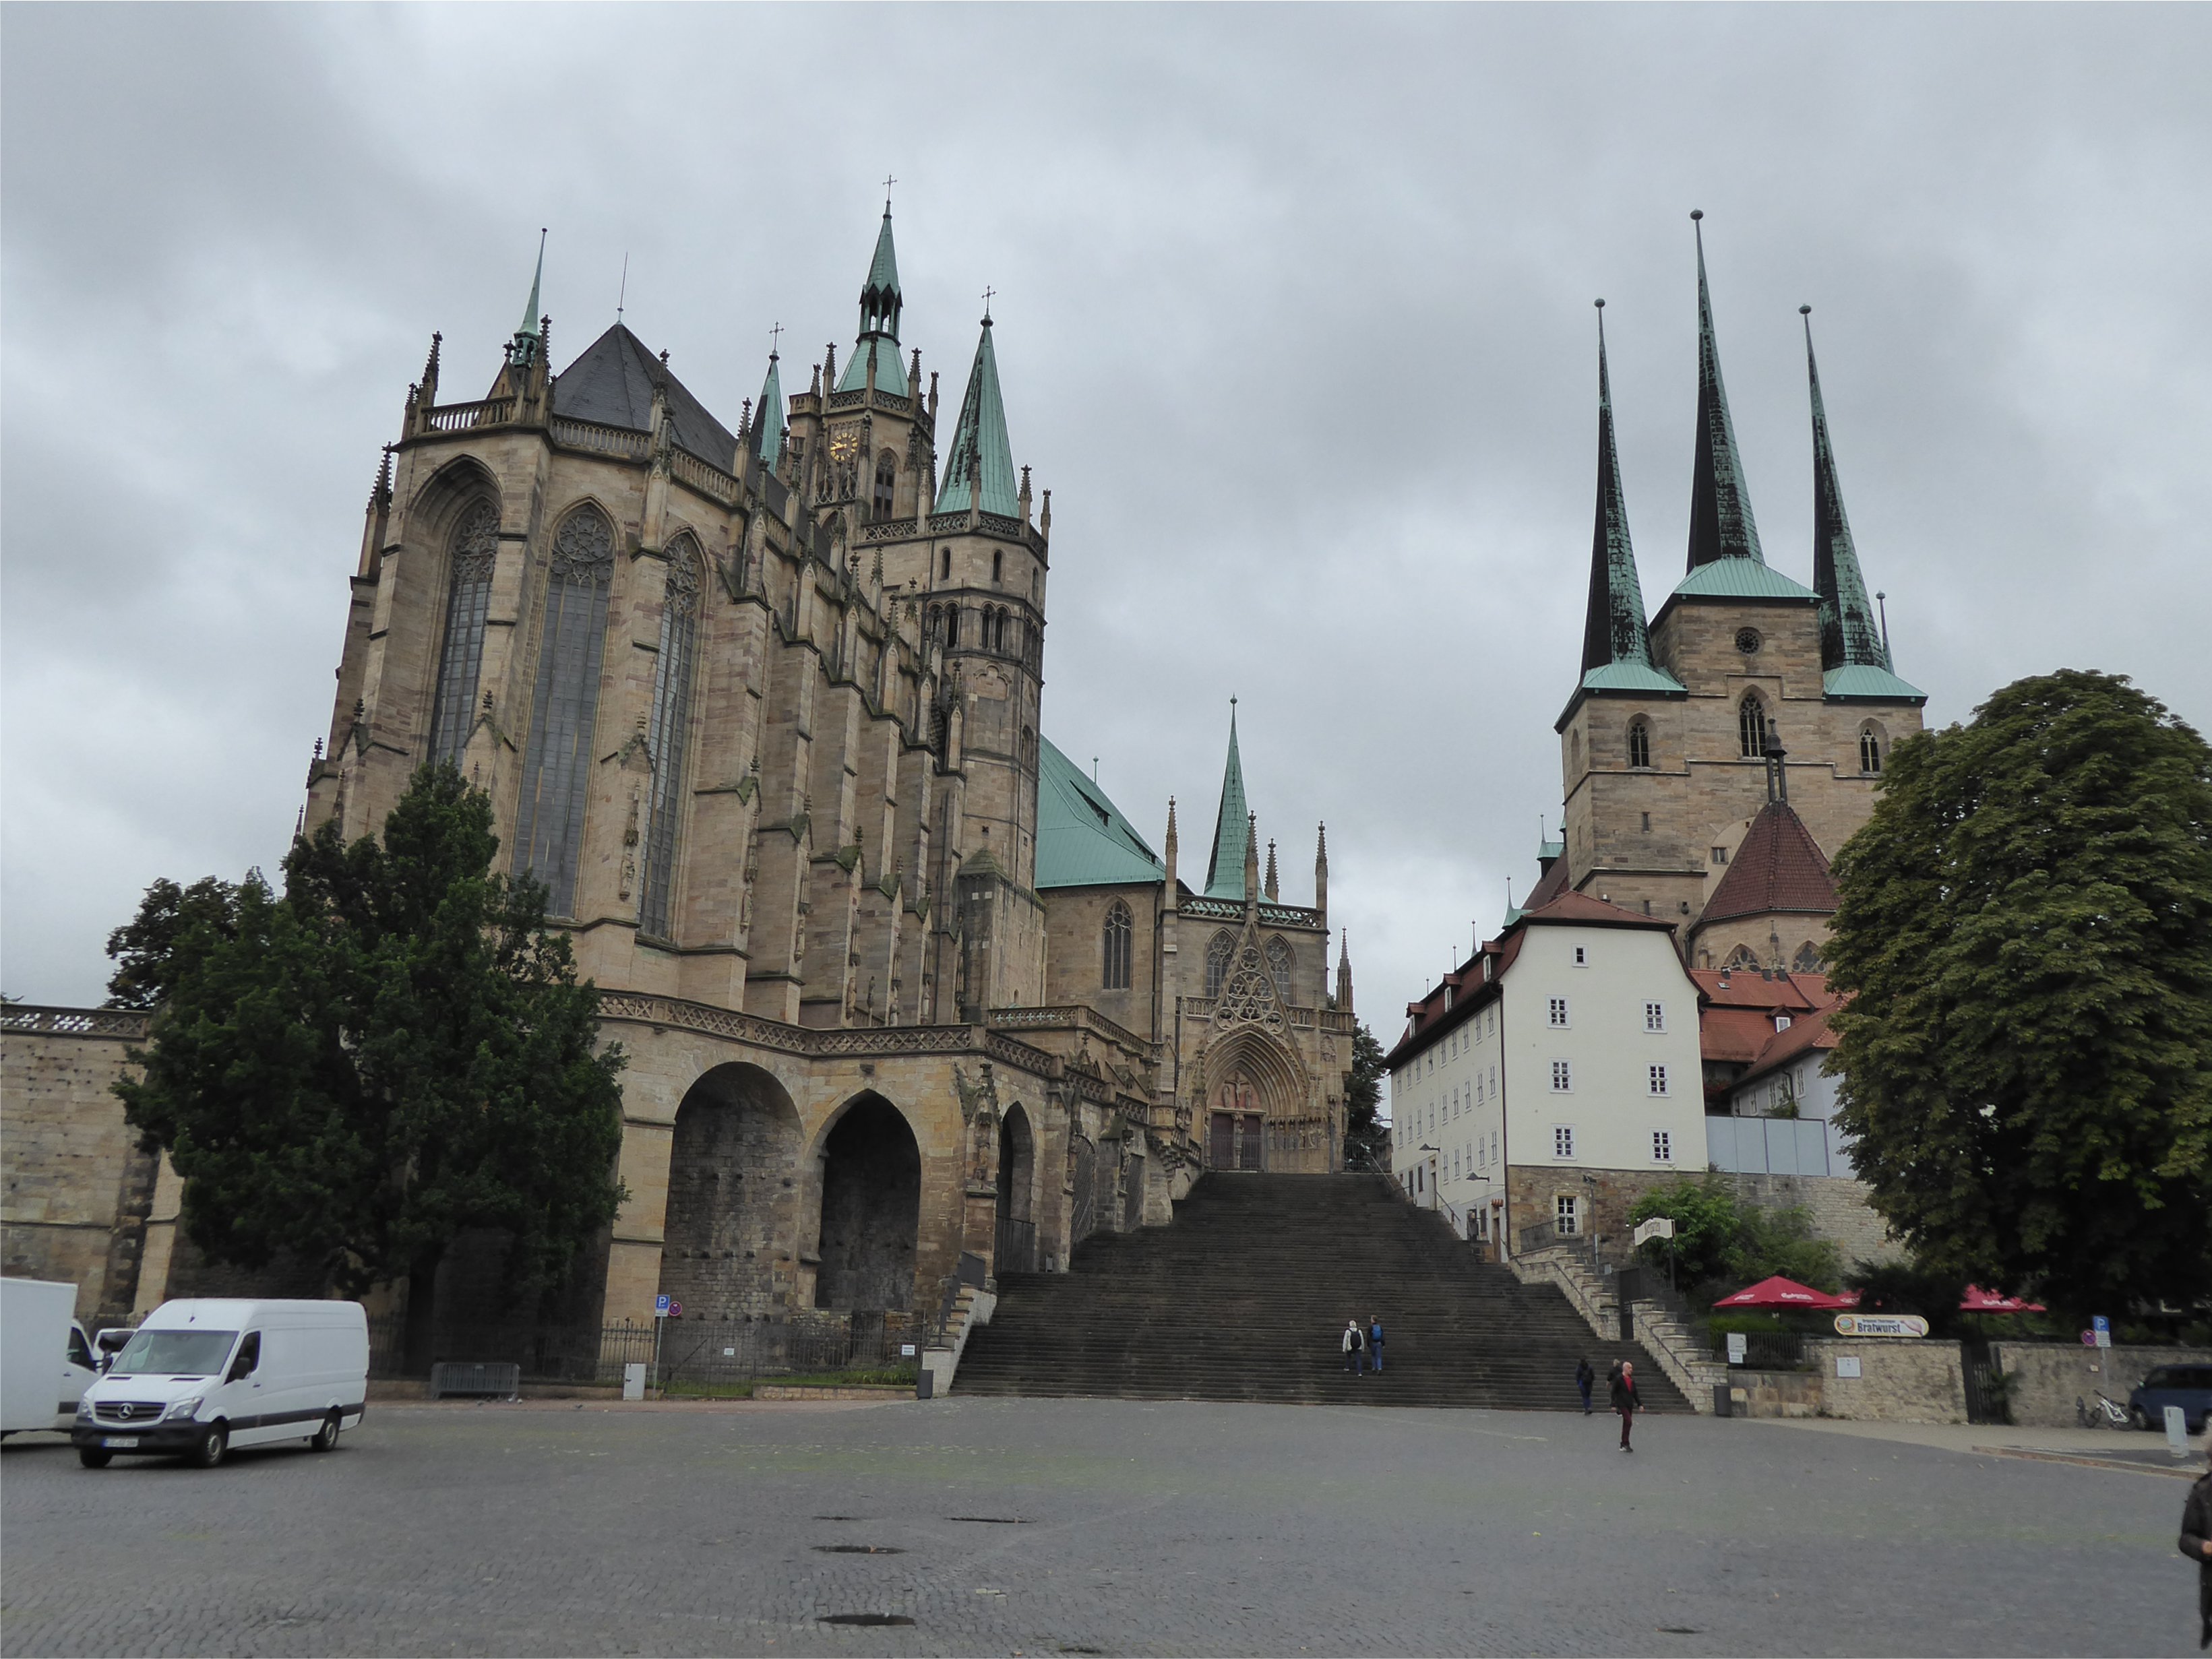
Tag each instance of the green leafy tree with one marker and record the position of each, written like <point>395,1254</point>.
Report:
<point>2023,926</point>
<point>1718,1241</point>
<point>1363,1128</point>
<point>394,1051</point>
<point>147,951</point>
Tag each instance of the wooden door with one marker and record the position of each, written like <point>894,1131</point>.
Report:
<point>1221,1149</point>
<point>1248,1152</point>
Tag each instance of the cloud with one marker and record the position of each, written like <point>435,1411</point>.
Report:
<point>1293,319</point>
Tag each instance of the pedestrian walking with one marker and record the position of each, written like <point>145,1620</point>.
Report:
<point>1374,1343</point>
<point>1625,1399</point>
<point>2196,1543</point>
<point>1585,1380</point>
<point>1354,1346</point>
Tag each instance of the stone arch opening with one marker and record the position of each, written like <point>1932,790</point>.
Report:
<point>1016,1246</point>
<point>733,1195</point>
<point>1250,1083</point>
<point>871,1209</point>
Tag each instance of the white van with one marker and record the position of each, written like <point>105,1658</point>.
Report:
<point>201,1377</point>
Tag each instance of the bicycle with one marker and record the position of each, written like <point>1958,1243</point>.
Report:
<point>2106,1413</point>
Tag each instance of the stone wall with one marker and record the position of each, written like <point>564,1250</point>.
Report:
<point>1836,1206</point>
<point>2045,1378</point>
<point>74,1189</point>
<point>1774,1394</point>
<point>1902,1379</point>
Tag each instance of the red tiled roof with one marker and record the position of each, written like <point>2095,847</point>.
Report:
<point>1737,988</point>
<point>1786,1045</point>
<point>1549,886</point>
<point>1780,867</point>
<point>1582,907</point>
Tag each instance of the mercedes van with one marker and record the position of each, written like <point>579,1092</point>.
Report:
<point>201,1377</point>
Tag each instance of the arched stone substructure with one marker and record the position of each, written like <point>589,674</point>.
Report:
<point>1016,1248</point>
<point>870,1214</point>
<point>732,1197</point>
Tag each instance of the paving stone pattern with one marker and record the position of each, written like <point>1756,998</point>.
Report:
<point>1244,1297</point>
<point>1049,1527</point>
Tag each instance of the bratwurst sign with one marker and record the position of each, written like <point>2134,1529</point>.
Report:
<point>1880,1325</point>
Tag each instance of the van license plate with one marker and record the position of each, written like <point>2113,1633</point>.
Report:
<point>120,1441</point>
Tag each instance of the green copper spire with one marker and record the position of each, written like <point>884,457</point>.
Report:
<point>1721,524</point>
<point>880,304</point>
<point>1225,871</point>
<point>980,467</point>
<point>1613,631</point>
<point>767,417</point>
<point>1849,635</point>
<point>529,324</point>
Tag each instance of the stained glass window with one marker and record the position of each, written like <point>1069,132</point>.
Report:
<point>1751,727</point>
<point>1281,961</point>
<point>1639,744</point>
<point>1118,930</point>
<point>475,551</point>
<point>549,829</point>
<point>667,735</point>
<point>1220,952</point>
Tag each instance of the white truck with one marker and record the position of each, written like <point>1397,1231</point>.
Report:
<point>201,1377</point>
<point>46,1364</point>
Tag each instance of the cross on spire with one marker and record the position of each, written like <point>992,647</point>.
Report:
<point>888,182</point>
<point>987,292</point>
<point>775,339</point>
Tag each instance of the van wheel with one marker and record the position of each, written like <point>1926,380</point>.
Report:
<point>326,1437</point>
<point>211,1446</point>
<point>93,1458</point>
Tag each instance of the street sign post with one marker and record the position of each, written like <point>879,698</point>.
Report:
<point>1739,1347</point>
<point>2102,1329</point>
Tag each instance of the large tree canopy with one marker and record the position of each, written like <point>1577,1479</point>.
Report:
<point>393,1051</point>
<point>2024,927</point>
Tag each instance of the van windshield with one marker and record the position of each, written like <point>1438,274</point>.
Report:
<point>173,1354</point>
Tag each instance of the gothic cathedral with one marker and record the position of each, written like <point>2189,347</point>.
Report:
<point>905,996</point>
<point>1715,759</point>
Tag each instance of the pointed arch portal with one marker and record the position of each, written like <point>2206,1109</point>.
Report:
<point>871,1209</point>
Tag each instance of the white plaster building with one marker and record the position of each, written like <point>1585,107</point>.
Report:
<point>1554,1077</point>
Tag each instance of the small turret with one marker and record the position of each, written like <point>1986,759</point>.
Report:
<point>1171,849</point>
<point>1321,874</point>
<point>1343,977</point>
<point>430,371</point>
<point>1272,887</point>
<point>1251,859</point>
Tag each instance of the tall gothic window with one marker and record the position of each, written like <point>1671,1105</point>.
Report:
<point>1280,963</point>
<point>886,481</point>
<point>1869,750</point>
<point>1751,726</point>
<point>1807,959</point>
<point>548,827</point>
<point>468,599</point>
<point>1220,952</point>
<point>1119,927</point>
<point>666,737</point>
<point>951,627</point>
<point>1639,743</point>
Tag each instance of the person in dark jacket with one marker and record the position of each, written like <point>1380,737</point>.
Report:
<point>1375,1342</point>
<point>1354,1345</point>
<point>2196,1545</point>
<point>1625,1400</point>
<point>1585,1379</point>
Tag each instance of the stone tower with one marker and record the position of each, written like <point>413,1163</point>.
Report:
<point>1744,686</point>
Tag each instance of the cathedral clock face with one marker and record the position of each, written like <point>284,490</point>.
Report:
<point>845,443</point>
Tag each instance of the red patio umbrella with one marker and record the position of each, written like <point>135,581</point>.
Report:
<point>1780,1292</point>
<point>1977,1300</point>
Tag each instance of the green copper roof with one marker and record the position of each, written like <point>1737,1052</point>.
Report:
<point>1613,630</point>
<point>1848,635</point>
<point>1865,680</point>
<point>1083,840</point>
<point>1739,579</point>
<point>883,269</point>
<point>890,372</point>
<point>767,417</point>
<point>980,460</point>
<point>1225,871</point>
<point>1721,526</point>
<point>1630,677</point>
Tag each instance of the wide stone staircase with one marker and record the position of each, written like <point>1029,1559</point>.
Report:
<point>1244,1297</point>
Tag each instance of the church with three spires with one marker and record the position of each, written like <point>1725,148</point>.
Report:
<point>1715,757</point>
<point>907,999</point>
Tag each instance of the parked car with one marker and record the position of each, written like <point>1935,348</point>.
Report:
<point>46,1364</point>
<point>201,1377</point>
<point>2188,1386</point>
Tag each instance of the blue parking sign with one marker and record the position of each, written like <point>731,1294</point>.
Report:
<point>660,1307</point>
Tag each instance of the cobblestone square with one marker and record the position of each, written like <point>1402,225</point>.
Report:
<point>1042,1528</point>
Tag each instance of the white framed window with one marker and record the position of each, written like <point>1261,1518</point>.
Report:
<point>1563,1140</point>
<point>1662,1147</point>
<point>1567,1214</point>
<point>1782,1022</point>
<point>1658,1080</point>
<point>1654,1015</point>
<point>1559,1012</point>
<point>1581,955</point>
<point>1563,1078</point>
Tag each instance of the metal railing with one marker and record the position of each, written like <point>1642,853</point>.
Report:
<point>1542,1236</point>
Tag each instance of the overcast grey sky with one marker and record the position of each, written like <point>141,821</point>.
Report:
<point>1294,320</point>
